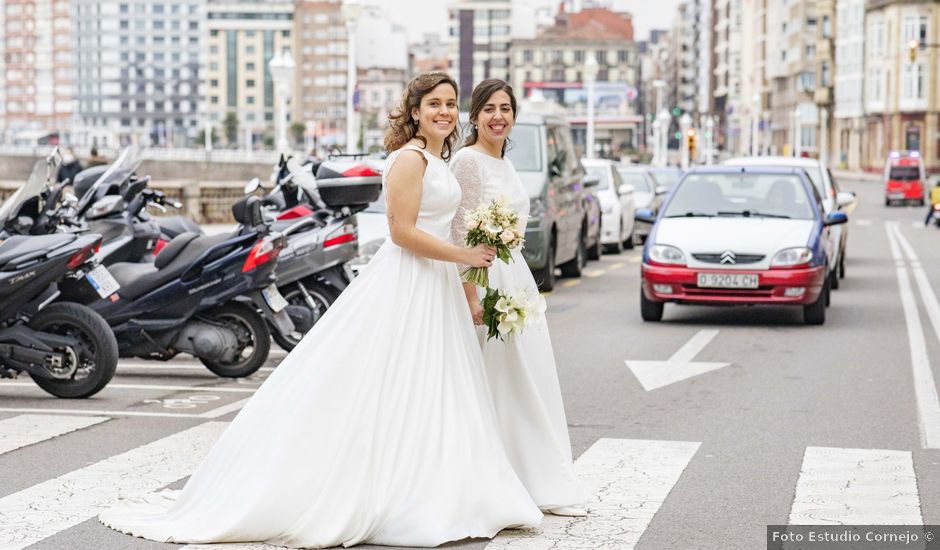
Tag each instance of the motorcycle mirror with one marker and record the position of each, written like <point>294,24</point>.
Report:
<point>69,200</point>
<point>252,186</point>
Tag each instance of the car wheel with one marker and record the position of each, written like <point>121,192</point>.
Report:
<point>628,242</point>
<point>545,277</point>
<point>887,202</point>
<point>842,265</point>
<point>834,278</point>
<point>594,252</point>
<point>574,266</point>
<point>921,202</point>
<point>617,247</point>
<point>650,310</point>
<point>815,313</point>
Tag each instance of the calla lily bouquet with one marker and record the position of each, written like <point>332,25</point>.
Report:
<point>494,225</point>
<point>505,314</point>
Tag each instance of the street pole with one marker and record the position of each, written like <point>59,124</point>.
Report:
<point>282,72</point>
<point>248,139</point>
<point>709,138</point>
<point>685,122</point>
<point>208,139</point>
<point>658,130</point>
<point>755,124</point>
<point>590,75</point>
<point>824,136</point>
<point>795,142</point>
<point>351,10</point>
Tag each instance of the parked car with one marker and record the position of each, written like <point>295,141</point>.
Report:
<point>667,176</point>
<point>904,178</point>
<point>543,154</point>
<point>832,200</point>
<point>617,204</point>
<point>647,194</point>
<point>740,235</point>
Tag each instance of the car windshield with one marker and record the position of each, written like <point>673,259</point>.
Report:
<point>745,195</point>
<point>666,178</point>
<point>602,173</point>
<point>32,188</point>
<point>525,150</point>
<point>640,184</point>
<point>904,173</point>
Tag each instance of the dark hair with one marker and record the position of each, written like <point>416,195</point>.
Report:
<point>402,128</point>
<point>481,94</point>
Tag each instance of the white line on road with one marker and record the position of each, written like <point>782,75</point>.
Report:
<point>594,273</point>
<point>628,479</point>
<point>224,409</point>
<point>656,374</point>
<point>43,510</point>
<point>83,412</point>
<point>29,429</point>
<point>142,387</point>
<point>165,366</point>
<point>925,388</point>
<point>856,487</point>
<point>863,222</point>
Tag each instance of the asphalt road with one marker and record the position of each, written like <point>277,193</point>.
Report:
<point>795,424</point>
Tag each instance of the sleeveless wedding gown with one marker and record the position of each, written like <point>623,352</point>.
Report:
<point>377,428</point>
<point>521,370</point>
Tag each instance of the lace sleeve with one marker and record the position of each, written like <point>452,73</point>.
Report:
<point>468,175</point>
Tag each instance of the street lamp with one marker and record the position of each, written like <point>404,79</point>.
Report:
<point>685,124</point>
<point>796,133</point>
<point>659,156</point>
<point>590,75</point>
<point>755,123</point>
<point>282,73</point>
<point>351,11</point>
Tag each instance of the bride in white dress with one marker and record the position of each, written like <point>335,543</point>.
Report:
<point>521,370</point>
<point>378,427</point>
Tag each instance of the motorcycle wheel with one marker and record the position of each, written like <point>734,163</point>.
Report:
<point>322,295</point>
<point>254,340</point>
<point>96,360</point>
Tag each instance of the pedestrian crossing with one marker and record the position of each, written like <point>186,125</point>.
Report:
<point>629,481</point>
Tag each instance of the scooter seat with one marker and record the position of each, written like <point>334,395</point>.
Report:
<point>139,279</point>
<point>169,252</point>
<point>20,247</point>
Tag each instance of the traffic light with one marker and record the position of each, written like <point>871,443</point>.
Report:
<point>692,138</point>
<point>912,47</point>
<point>676,112</point>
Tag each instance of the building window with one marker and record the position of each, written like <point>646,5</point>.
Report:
<point>826,27</point>
<point>214,83</point>
<point>250,100</point>
<point>912,82</point>
<point>623,56</point>
<point>250,83</point>
<point>912,138</point>
<point>601,56</point>
<point>556,56</point>
<point>579,56</point>
<point>527,56</point>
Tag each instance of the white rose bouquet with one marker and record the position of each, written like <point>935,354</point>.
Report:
<point>507,314</point>
<point>493,225</point>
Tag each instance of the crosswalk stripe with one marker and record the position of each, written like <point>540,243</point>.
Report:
<point>28,429</point>
<point>628,480</point>
<point>856,487</point>
<point>43,510</point>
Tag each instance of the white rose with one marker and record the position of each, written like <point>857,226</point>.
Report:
<point>507,236</point>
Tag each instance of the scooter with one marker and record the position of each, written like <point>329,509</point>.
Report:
<point>191,299</point>
<point>65,347</point>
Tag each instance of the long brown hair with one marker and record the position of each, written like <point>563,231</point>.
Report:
<point>402,128</point>
<point>481,94</point>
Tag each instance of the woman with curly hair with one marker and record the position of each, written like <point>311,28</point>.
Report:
<point>379,426</point>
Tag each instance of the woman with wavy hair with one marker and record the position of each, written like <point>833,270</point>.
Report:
<point>379,426</point>
<point>520,370</point>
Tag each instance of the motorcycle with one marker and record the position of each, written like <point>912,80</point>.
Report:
<point>66,348</point>
<point>208,296</point>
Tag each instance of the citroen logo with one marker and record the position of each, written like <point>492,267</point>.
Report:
<point>727,257</point>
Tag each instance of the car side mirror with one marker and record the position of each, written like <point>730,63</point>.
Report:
<point>645,215</point>
<point>625,189</point>
<point>252,186</point>
<point>591,180</point>
<point>836,218</point>
<point>845,198</point>
<point>661,190</point>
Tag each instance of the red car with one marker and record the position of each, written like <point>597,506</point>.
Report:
<point>904,178</point>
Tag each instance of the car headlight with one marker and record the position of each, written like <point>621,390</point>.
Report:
<point>665,254</point>
<point>792,257</point>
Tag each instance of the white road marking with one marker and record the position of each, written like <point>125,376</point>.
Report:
<point>224,409</point>
<point>83,412</point>
<point>154,387</point>
<point>635,260</point>
<point>43,510</point>
<point>617,265</point>
<point>571,283</point>
<point>925,388</point>
<point>863,222</point>
<point>856,487</point>
<point>594,273</point>
<point>628,480</point>
<point>28,429</point>
<point>122,365</point>
<point>656,374</point>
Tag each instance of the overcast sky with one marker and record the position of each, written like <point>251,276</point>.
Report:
<point>425,16</point>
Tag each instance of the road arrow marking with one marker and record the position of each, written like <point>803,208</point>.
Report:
<point>656,374</point>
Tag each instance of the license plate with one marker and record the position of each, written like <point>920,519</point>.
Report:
<point>102,281</point>
<point>272,296</point>
<point>728,280</point>
<point>895,195</point>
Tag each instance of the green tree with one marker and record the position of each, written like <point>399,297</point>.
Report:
<point>201,137</point>
<point>297,130</point>
<point>231,128</point>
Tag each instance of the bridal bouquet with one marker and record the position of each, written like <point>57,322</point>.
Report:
<point>493,225</point>
<point>507,314</point>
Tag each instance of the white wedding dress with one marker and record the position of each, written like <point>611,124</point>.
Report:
<point>521,369</point>
<point>377,428</point>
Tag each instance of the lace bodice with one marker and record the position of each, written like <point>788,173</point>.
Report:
<point>440,194</point>
<point>483,178</point>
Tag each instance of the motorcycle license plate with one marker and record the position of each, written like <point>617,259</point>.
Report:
<point>272,296</point>
<point>102,281</point>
